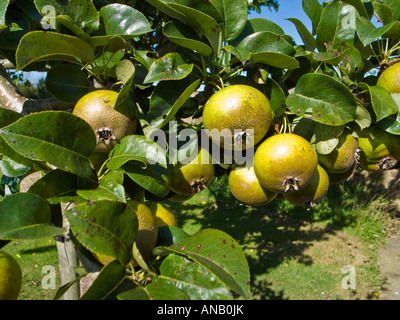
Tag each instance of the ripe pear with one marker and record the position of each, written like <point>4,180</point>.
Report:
<point>10,277</point>
<point>246,188</point>
<point>285,163</point>
<point>192,177</point>
<point>109,125</point>
<point>315,190</point>
<point>162,213</point>
<point>343,156</point>
<point>390,79</point>
<point>378,149</point>
<point>233,110</point>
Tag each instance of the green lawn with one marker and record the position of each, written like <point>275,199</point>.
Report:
<point>36,258</point>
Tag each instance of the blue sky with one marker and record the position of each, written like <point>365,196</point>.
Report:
<point>287,9</point>
<point>290,9</point>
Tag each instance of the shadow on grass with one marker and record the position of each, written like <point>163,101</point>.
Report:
<point>38,250</point>
<point>274,233</point>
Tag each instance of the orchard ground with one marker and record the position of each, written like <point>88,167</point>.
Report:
<point>292,253</point>
<point>298,254</point>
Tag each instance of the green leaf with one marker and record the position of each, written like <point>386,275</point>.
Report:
<point>123,20</point>
<point>362,117</point>
<point>384,12</point>
<point>334,25</point>
<point>8,116</point>
<point>125,70</point>
<point>152,178</point>
<point>167,98</point>
<point>382,101</point>
<point>65,287</point>
<point>105,227</point>
<point>257,25</point>
<point>219,253</point>
<point>137,148</point>
<point>394,6</point>
<point>241,53</point>
<point>331,55</point>
<point>118,43</point>
<point>276,96</point>
<point>368,32</point>
<point>134,294</point>
<point>11,168</point>
<point>313,9</point>
<point>392,123</point>
<point>26,216</point>
<point>271,49</point>
<point>10,153</point>
<point>265,41</point>
<point>184,36</point>
<point>192,278</point>
<point>323,99</point>
<point>146,58</point>
<point>154,291</point>
<point>125,102</point>
<point>106,282</point>
<point>67,82</point>
<point>164,7</point>
<point>275,59</point>
<point>82,12</point>
<point>164,291</point>
<point>213,8</point>
<point>199,21</point>
<point>262,24</point>
<point>352,59</point>
<point>203,21</point>
<point>110,188</point>
<point>42,46</point>
<point>306,36</point>
<point>3,9</point>
<point>56,184</point>
<point>235,17</point>
<point>56,137</point>
<point>393,31</point>
<point>359,6</point>
<point>169,67</point>
<point>64,22</point>
<point>107,61</point>
<point>325,138</point>
<point>304,127</point>
<point>139,259</point>
<point>168,235</point>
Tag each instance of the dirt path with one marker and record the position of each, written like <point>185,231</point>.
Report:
<point>389,264</point>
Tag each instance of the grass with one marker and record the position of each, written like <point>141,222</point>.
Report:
<point>292,253</point>
<point>33,257</point>
<point>298,254</point>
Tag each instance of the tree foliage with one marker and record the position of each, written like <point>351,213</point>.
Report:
<point>166,58</point>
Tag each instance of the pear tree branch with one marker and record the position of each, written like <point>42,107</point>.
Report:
<point>11,98</point>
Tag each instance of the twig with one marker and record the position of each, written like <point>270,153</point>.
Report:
<point>377,17</point>
<point>11,98</point>
<point>384,65</point>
